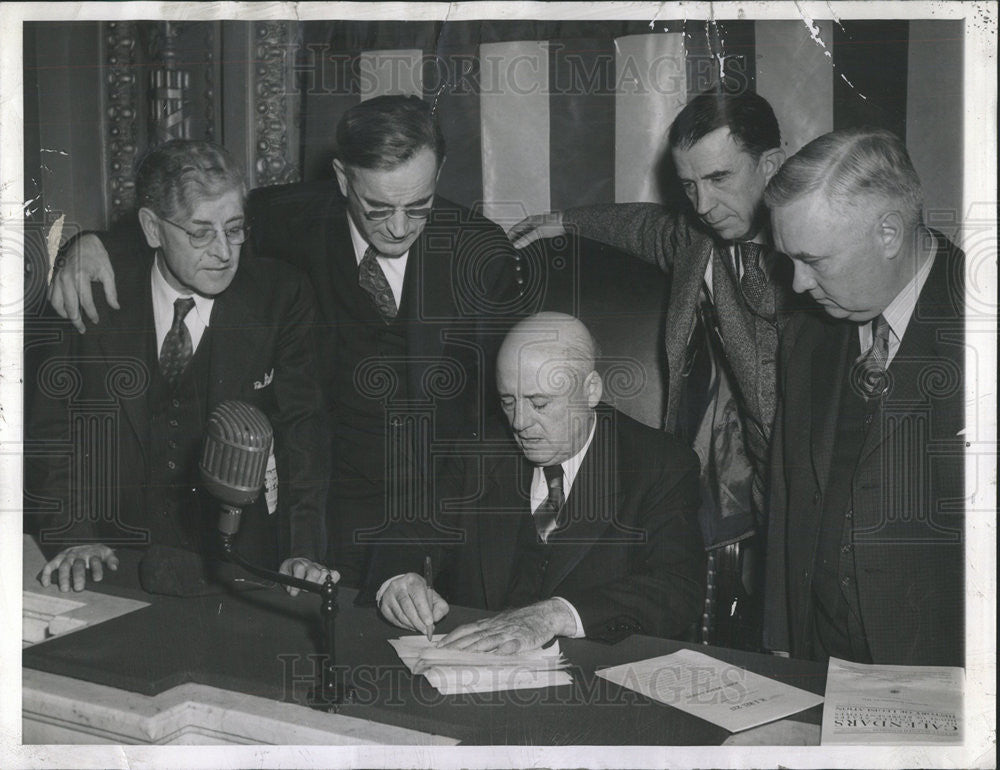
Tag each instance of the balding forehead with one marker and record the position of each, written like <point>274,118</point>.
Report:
<point>560,334</point>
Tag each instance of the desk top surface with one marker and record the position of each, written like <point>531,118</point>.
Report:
<point>265,643</point>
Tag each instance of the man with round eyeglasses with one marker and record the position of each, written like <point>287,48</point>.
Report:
<point>199,328</point>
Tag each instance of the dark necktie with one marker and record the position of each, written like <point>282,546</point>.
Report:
<point>754,279</point>
<point>177,350</point>
<point>373,280</point>
<point>696,388</point>
<point>870,367</point>
<point>546,514</point>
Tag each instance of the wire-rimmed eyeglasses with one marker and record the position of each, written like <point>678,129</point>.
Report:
<point>382,214</point>
<point>205,235</point>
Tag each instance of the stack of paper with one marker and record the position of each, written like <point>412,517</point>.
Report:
<point>452,672</point>
<point>884,704</point>
<point>717,692</point>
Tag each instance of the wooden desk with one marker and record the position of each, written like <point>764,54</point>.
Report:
<point>257,651</point>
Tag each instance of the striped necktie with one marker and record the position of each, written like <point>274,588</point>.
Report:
<point>870,367</point>
<point>372,279</point>
<point>177,350</point>
<point>547,513</point>
<point>754,280</point>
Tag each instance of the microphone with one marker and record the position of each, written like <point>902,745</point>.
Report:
<point>234,458</point>
<point>233,464</point>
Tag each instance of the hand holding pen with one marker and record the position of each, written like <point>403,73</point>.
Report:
<point>410,601</point>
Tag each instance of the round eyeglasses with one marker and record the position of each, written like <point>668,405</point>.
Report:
<point>205,235</point>
<point>380,215</point>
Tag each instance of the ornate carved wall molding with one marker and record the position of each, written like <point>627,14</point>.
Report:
<point>210,78</point>
<point>273,90</point>
<point>121,99</point>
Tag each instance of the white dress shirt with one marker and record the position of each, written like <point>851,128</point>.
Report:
<point>393,267</point>
<point>197,319</point>
<point>899,312</point>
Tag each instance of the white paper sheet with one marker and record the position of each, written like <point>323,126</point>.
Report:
<point>453,672</point>
<point>717,692</point>
<point>880,704</point>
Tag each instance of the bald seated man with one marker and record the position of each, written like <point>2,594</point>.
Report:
<point>583,525</point>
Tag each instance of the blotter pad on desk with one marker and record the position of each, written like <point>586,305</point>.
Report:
<point>453,672</point>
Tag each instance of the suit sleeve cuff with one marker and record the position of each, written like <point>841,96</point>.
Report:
<point>578,632</point>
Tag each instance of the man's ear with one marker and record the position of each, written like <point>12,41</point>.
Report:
<point>150,227</point>
<point>594,388</point>
<point>341,172</point>
<point>440,166</point>
<point>891,232</point>
<point>770,161</point>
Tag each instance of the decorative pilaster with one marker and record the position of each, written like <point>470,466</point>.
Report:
<point>121,99</point>
<point>272,85</point>
<point>210,75</point>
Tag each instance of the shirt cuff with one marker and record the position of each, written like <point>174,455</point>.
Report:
<point>578,632</point>
<point>384,587</point>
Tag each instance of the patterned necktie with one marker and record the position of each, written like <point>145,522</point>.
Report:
<point>373,280</point>
<point>177,350</point>
<point>870,367</point>
<point>754,280</point>
<point>546,514</point>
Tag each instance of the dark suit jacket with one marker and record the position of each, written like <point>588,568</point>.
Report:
<point>260,352</point>
<point>908,493</point>
<point>629,559</point>
<point>459,293</point>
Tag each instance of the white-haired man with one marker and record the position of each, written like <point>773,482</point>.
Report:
<point>865,549</point>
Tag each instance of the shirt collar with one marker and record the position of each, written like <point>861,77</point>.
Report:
<point>164,296</point>
<point>900,310</point>
<point>361,245</point>
<point>570,468</point>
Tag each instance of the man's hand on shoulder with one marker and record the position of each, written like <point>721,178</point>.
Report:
<point>74,563</point>
<point>514,631</point>
<point>84,260</point>
<point>408,603</point>
<point>306,569</point>
<point>530,229</point>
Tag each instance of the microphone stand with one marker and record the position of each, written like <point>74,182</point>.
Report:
<point>330,691</point>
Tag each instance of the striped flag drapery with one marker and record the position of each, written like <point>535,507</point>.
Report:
<point>540,124</point>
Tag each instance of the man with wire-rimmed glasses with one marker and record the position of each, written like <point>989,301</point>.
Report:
<point>198,328</point>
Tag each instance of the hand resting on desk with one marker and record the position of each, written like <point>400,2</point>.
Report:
<point>514,631</point>
<point>75,561</point>
<point>408,603</point>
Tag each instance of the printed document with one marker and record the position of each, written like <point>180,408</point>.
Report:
<point>452,672</point>
<point>881,704</point>
<point>720,693</point>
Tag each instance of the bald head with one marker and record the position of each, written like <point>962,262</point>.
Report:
<point>548,386</point>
